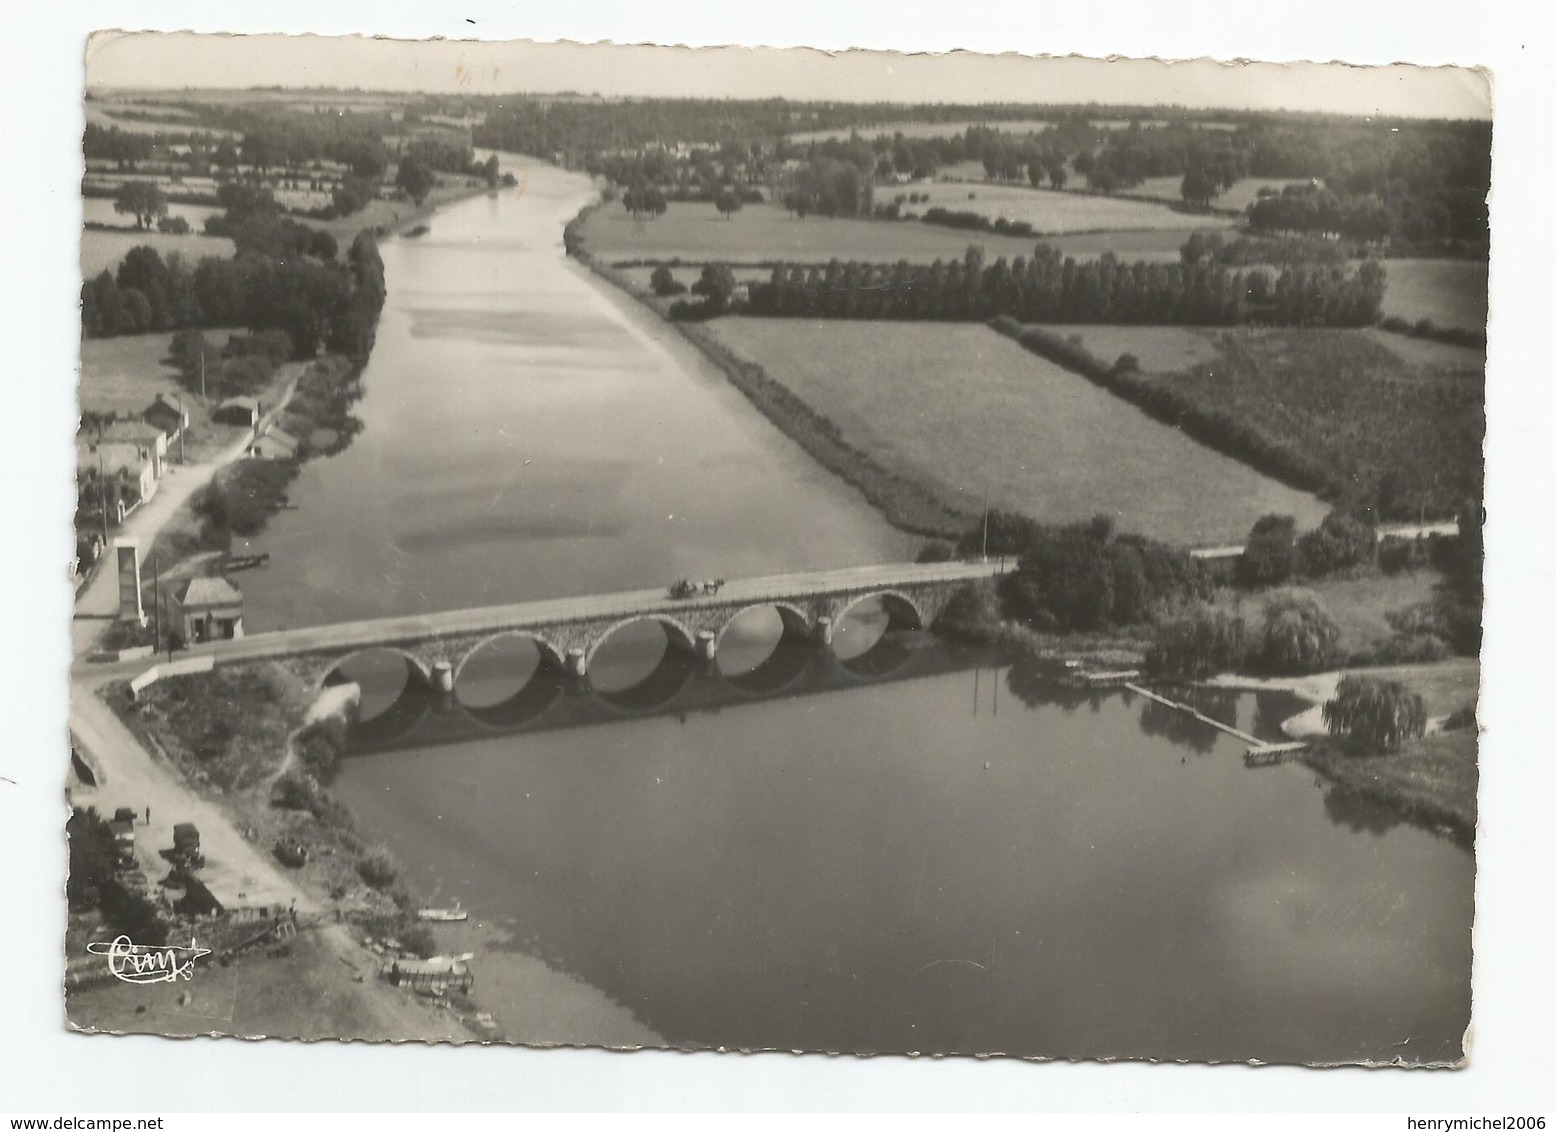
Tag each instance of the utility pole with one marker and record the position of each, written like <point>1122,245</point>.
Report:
<point>202,375</point>
<point>156,601</point>
<point>102,489</point>
<point>183,426</point>
<point>985,524</point>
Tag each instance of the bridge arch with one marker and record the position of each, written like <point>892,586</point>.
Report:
<point>414,667</point>
<point>550,655</point>
<point>406,705</point>
<point>901,610</point>
<point>796,622</point>
<point>677,634</point>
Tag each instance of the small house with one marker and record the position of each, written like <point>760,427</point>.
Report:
<point>274,444</point>
<point>241,411</point>
<point>208,609</point>
<point>163,414</point>
<point>124,437</point>
<point>128,469</point>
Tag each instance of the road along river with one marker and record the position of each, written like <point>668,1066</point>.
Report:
<point>959,861</point>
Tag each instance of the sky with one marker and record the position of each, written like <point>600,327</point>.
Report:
<point>159,60</point>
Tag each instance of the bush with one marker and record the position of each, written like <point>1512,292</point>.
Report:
<point>272,345</point>
<point>1299,634</point>
<point>320,743</point>
<point>174,225</point>
<point>378,868</point>
<point>1411,648</point>
<point>1341,542</point>
<point>294,790</point>
<point>1396,555</point>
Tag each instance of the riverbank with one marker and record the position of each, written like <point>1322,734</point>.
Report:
<point>1432,781</point>
<point>255,742</point>
<point>904,504</point>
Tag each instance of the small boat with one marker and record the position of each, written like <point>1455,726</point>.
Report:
<point>244,561</point>
<point>453,915</point>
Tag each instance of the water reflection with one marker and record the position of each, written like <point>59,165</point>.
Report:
<point>1353,811</point>
<point>917,863</point>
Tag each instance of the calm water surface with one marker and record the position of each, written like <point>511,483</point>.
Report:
<point>530,433</point>
<point>959,862</point>
<point>939,856</point>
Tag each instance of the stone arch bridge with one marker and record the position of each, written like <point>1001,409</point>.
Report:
<point>568,631</point>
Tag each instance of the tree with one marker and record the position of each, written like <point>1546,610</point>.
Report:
<point>1270,555</point>
<point>415,178</point>
<point>1199,186</point>
<point>143,200</point>
<point>1379,713</point>
<point>1299,634</point>
<point>664,282</point>
<point>1201,642</point>
<point>728,202</point>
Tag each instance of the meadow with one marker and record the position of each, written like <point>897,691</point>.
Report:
<point>1238,197</point>
<point>761,233</point>
<point>99,210</point>
<point>125,374</point>
<point>698,233</point>
<point>102,250</point>
<point>960,409</point>
<point>1049,211</point>
<point>1450,292</point>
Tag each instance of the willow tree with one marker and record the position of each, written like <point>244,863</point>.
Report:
<point>1379,713</point>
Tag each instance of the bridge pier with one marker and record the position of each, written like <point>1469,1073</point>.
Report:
<point>442,677</point>
<point>707,645</point>
<point>577,663</point>
<point>822,633</point>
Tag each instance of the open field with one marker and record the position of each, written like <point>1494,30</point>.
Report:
<point>1353,405</point>
<point>99,210</point>
<point>918,130</point>
<point>1238,197</point>
<point>1433,355</point>
<point>1450,292</point>
<point>1050,211</point>
<point>100,249</point>
<point>107,115</point>
<point>124,375</point>
<point>764,232</point>
<point>959,408</point>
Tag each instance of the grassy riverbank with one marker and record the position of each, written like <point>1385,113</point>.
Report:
<point>245,736</point>
<point>1431,781</point>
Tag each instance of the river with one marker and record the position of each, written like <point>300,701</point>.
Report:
<point>928,852</point>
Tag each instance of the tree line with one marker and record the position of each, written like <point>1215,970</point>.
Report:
<point>314,302</point>
<point>1049,287</point>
